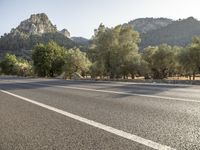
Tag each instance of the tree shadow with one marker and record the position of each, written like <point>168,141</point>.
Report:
<point>19,83</point>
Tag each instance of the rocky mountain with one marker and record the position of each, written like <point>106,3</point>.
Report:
<point>36,24</point>
<point>178,32</point>
<point>37,29</point>
<point>144,25</point>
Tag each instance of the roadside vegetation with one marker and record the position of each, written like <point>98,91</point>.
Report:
<point>112,54</point>
<point>11,65</point>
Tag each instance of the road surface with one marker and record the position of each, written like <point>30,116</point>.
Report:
<point>53,114</point>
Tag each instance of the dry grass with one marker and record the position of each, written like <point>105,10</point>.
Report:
<point>182,78</point>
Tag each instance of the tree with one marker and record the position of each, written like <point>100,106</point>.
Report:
<point>76,62</point>
<point>23,68</point>
<point>114,48</point>
<point>161,60</point>
<point>97,69</point>
<point>147,56</point>
<point>57,58</point>
<point>186,63</point>
<point>195,55</point>
<point>10,65</point>
<point>133,65</point>
<point>190,58</point>
<point>48,59</point>
<point>178,68</point>
<point>41,60</point>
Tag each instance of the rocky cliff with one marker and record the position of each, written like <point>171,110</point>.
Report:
<point>36,24</point>
<point>144,25</point>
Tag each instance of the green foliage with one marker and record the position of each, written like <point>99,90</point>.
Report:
<point>114,50</point>
<point>185,62</point>
<point>48,59</point>
<point>147,56</point>
<point>189,58</point>
<point>133,65</point>
<point>10,65</point>
<point>23,68</point>
<point>161,60</point>
<point>98,69</point>
<point>194,52</point>
<point>76,62</point>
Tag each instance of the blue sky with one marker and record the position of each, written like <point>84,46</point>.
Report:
<point>81,17</point>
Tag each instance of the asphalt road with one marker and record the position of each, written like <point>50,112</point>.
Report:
<point>53,114</point>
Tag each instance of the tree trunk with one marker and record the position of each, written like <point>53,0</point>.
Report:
<point>190,77</point>
<point>193,76</point>
<point>111,76</point>
<point>124,77</point>
<point>132,76</point>
<point>101,77</point>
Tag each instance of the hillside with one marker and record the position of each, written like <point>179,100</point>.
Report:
<point>144,25</point>
<point>176,33</point>
<point>80,41</point>
<point>37,29</point>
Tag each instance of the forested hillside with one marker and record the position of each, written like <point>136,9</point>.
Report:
<point>176,33</point>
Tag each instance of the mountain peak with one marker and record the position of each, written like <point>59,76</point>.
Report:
<point>37,24</point>
<point>36,29</point>
<point>65,32</point>
<point>39,15</point>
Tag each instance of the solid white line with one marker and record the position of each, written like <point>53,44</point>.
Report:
<point>109,129</point>
<point>122,93</point>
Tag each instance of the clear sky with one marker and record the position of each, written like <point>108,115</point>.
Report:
<point>81,17</point>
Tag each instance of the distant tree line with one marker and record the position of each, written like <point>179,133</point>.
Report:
<point>113,54</point>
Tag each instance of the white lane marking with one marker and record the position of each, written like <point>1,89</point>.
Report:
<point>109,129</point>
<point>122,93</point>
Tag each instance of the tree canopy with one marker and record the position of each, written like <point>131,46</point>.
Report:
<point>114,50</point>
<point>48,59</point>
<point>76,62</point>
<point>11,65</point>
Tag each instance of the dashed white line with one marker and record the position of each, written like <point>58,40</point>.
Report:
<point>109,129</point>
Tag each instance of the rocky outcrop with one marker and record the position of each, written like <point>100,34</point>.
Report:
<point>65,32</point>
<point>144,25</point>
<point>37,24</point>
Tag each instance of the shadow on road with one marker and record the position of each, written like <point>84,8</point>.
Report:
<point>17,83</point>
